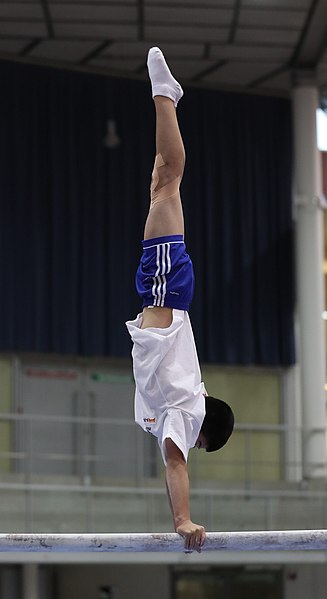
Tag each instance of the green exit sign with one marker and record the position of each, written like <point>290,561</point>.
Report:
<point>105,377</point>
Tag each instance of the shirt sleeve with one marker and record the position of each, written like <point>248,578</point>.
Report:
<point>182,429</point>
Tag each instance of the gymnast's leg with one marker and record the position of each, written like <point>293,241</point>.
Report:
<point>165,214</point>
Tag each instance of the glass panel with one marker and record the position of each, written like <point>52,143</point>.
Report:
<point>5,406</point>
<point>162,519</point>
<point>229,513</point>
<point>229,464</point>
<point>12,511</point>
<point>292,513</point>
<point>249,455</point>
<point>265,452</point>
<point>119,512</point>
<point>57,511</point>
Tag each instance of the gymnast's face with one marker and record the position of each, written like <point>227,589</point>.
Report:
<point>201,442</point>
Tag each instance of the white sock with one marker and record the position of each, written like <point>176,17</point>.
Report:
<point>162,81</point>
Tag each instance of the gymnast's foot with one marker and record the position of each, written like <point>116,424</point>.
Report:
<point>162,81</point>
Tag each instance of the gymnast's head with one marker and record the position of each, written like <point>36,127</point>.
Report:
<point>217,425</point>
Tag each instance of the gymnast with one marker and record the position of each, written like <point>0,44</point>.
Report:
<point>170,399</point>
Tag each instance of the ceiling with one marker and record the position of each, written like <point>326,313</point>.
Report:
<point>247,45</point>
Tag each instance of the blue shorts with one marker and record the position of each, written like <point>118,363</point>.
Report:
<point>165,275</point>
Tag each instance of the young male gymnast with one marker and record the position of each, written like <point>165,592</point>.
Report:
<point>170,399</point>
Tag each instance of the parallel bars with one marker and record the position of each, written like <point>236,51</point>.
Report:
<point>289,540</point>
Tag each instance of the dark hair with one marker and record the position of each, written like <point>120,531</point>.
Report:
<point>218,423</point>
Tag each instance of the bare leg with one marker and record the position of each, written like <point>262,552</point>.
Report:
<point>166,215</point>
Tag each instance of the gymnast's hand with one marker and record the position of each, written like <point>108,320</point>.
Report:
<point>194,535</point>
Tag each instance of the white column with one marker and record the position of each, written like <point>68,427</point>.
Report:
<point>291,393</point>
<point>309,266</point>
<point>30,581</point>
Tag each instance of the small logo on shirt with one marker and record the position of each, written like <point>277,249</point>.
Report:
<point>150,420</point>
<point>173,293</point>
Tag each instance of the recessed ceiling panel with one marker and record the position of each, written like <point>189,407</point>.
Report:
<point>19,10</point>
<point>91,13</point>
<point>272,18</point>
<point>95,31</point>
<point>67,51</point>
<point>120,3</point>
<point>239,74</point>
<point>113,64</point>
<point>128,49</point>
<point>265,36</point>
<point>245,53</point>
<point>277,4</point>
<point>19,28</point>
<point>196,3</point>
<point>189,69</point>
<point>12,46</point>
<point>156,33</point>
<point>185,16</point>
<point>282,81</point>
<point>140,49</point>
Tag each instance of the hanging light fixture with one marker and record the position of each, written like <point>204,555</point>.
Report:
<point>112,139</point>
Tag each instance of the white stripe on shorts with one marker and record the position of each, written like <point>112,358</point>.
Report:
<point>159,291</point>
<point>168,258</point>
<point>163,264</point>
<point>163,269</point>
<point>164,286</point>
<point>158,261</point>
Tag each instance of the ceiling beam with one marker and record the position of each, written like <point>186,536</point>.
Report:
<point>267,76</point>
<point>47,18</point>
<point>234,23</point>
<point>95,52</point>
<point>29,47</point>
<point>310,46</point>
<point>209,70</point>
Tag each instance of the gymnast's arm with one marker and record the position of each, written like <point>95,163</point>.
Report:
<point>178,490</point>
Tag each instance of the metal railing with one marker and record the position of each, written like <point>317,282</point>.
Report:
<point>86,458</point>
<point>91,448</point>
<point>91,490</point>
<point>45,507</point>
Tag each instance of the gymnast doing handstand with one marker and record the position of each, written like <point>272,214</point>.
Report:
<point>170,399</point>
